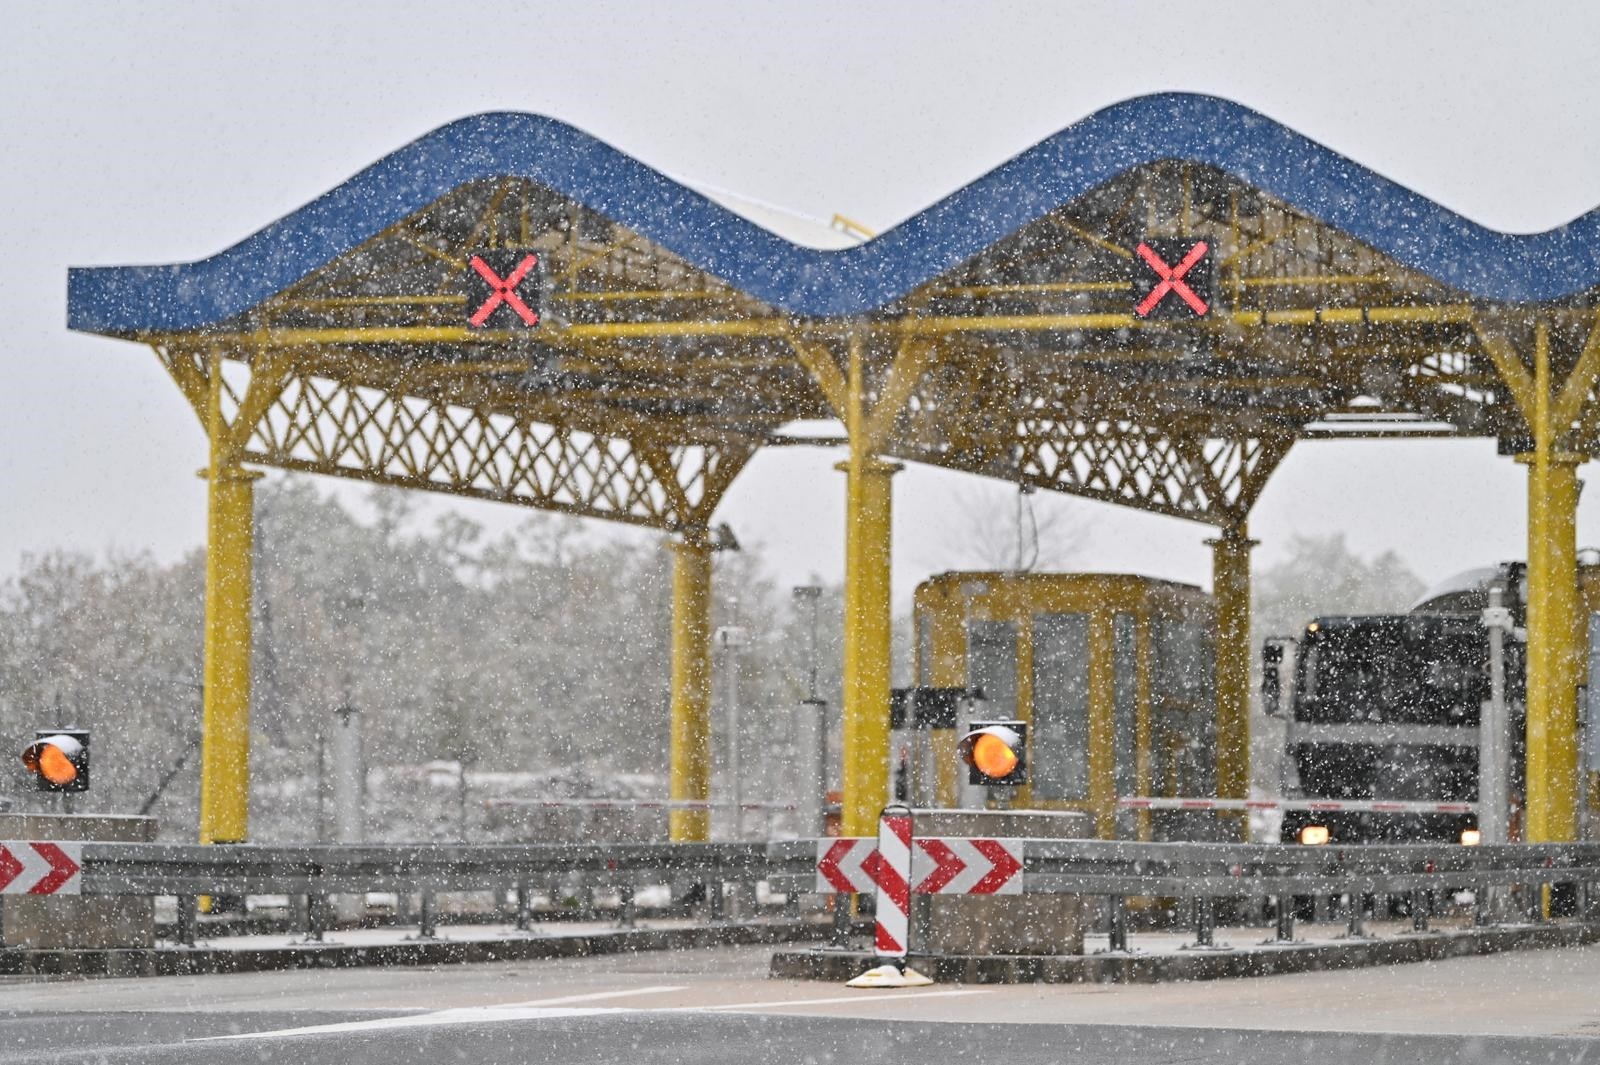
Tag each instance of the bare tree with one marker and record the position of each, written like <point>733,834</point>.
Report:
<point>1011,528</point>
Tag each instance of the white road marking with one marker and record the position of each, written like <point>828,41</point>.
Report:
<point>593,996</point>
<point>898,996</point>
<point>550,1008</point>
<point>467,1015</point>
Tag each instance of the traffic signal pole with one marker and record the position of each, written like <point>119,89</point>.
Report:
<point>690,775</point>
<point>230,537</point>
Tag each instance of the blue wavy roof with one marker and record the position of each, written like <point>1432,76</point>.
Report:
<point>1412,229</point>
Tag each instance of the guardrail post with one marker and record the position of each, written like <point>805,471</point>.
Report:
<point>629,911</point>
<point>1533,902</point>
<point>1117,915</point>
<point>1205,924</point>
<point>188,919</point>
<point>524,906</point>
<point>716,912</point>
<point>1483,905</point>
<point>316,929</point>
<point>427,925</point>
<point>1356,928</point>
<point>1419,909</point>
<point>839,933</point>
<point>1283,909</point>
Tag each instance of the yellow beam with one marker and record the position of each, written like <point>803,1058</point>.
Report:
<point>911,362</point>
<point>1043,288</point>
<point>818,361</point>
<point>1090,238</point>
<point>690,745</point>
<point>1426,315</point>
<point>180,366</point>
<point>225,736</point>
<point>1513,371</point>
<point>1313,281</point>
<point>325,303</point>
<point>914,326</point>
<point>1569,403</point>
<point>866,614</point>
<point>642,294</point>
<point>1230,584</point>
<point>1555,658</point>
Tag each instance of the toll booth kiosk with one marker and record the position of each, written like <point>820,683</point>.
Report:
<point>1114,674</point>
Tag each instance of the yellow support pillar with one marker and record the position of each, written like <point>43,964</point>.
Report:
<point>1555,648</point>
<point>868,526</point>
<point>691,687</point>
<point>225,737</point>
<point>1230,584</point>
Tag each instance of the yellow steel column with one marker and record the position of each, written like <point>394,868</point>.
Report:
<point>1555,650</point>
<point>225,739</point>
<point>866,616</point>
<point>691,686</point>
<point>1230,584</point>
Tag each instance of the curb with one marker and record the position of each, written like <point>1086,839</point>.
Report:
<point>1265,960</point>
<point>179,961</point>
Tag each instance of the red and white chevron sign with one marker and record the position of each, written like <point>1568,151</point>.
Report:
<point>938,866</point>
<point>967,867</point>
<point>33,867</point>
<point>844,865</point>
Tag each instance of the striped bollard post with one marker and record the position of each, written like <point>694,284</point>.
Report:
<point>891,875</point>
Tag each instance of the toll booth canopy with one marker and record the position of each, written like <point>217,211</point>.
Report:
<point>1149,308</point>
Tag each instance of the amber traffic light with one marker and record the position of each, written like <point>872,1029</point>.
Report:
<point>996,752</point>
<point>58,759</point>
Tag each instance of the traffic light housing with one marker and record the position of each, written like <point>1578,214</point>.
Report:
<point>996,753</point>
<point>58,759</point>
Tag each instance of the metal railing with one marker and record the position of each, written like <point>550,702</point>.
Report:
<point>321,870</point>
<point>1202,873</point>
<point>248,869</point>
<point>1113,870</point>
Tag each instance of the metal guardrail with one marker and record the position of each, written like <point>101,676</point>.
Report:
<point>249,869</point>
<point>1088,867</point>
<point>1202,873</point>
<point>1223,870</point>
<point>1114,870</point>
<point>318,871</point>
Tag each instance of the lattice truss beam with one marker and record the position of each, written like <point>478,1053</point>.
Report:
<point>283,413</point>
<point>1110,453</point>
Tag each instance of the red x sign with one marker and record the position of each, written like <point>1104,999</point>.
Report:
<point>1170,279</point>
<point>503,290</point>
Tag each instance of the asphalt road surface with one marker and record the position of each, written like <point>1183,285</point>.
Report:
<point>715,1006</point>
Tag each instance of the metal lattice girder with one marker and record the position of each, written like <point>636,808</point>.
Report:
<point>298,419</point>
<point>984,417</point>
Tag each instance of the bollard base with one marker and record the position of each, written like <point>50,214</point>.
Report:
<point>889,976</point>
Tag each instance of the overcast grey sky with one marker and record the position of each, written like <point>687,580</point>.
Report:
<point>165,132</point>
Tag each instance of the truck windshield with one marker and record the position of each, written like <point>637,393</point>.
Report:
<point>1416,669</point>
